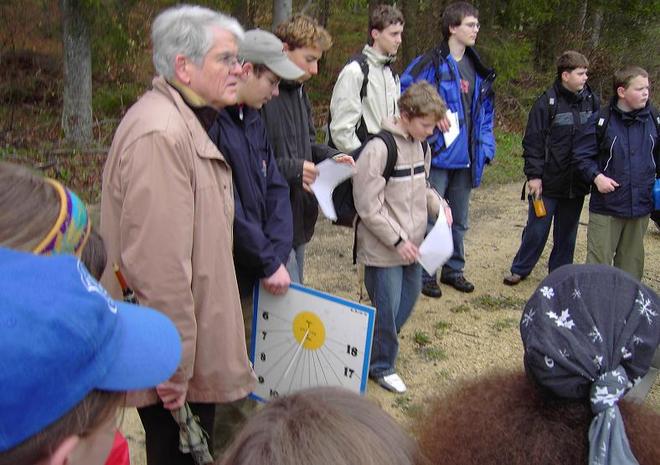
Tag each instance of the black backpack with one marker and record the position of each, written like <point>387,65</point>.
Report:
<point>342,196</point>
<point>361,128</point>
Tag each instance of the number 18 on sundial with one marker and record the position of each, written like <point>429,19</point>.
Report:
<point>307,338</point>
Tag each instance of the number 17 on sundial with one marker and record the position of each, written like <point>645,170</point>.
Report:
<point>307,338</point>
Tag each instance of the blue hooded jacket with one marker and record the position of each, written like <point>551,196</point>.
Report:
<point>474,150</point>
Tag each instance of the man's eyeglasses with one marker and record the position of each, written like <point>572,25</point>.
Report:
<point>230,60</point>
<point>473,25</point>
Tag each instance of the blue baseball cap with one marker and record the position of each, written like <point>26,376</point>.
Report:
<point>62,336</point>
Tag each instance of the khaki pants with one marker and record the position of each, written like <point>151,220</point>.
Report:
<point>617,241</point>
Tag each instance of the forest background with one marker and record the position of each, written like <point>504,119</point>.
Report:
<point>70,69</point>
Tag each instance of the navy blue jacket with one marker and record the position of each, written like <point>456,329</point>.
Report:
<point>629,154</point>
<point>474,150</point>
<point>548,145</point>
<point>263,226</point>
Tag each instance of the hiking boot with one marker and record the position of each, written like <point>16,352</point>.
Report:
<point>392,383</point>
<point>513,279</point>
<point>458,282</point>
<point>431,289</point>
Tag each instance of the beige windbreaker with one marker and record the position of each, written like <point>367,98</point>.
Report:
<point>346,108</point>
<point>395,210</point>
<point>166,218</point>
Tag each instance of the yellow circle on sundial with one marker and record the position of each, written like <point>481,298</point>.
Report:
<point>308,327</point>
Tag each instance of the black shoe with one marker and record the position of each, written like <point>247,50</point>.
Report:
<point>431,289</point>
<point>459,283</point>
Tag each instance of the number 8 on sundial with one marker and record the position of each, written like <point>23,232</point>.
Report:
<point>307,338</point>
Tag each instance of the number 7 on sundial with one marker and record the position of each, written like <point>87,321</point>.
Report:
<point>307,338</point>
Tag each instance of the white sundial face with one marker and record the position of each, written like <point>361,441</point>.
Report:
<point>306,338</point>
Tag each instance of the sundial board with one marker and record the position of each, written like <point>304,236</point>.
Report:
<point>307,338</point>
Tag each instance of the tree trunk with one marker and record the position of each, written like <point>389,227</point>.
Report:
<point>410,10</point>
<point>77,106</point>
<point>582,16</point>
<point>324,12</point>
<point>282,10</point>
<point>596,26</point>
<point>240,9</point>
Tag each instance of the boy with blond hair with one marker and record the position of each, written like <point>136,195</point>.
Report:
<point>292,134</point>
<point>623,165</point>
<point>393,216</point>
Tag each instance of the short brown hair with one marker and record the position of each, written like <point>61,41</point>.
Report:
<point>506,418</point>
<point>97,408</point>
<point>570,60</point>
<point>383,16</point>
<point>626,74</point>
<point>29,207</point>
<point>302,31</point>
<point>322,426</point>
<point>454,15</point>
<point>421,99</point>
<point>94,255</point>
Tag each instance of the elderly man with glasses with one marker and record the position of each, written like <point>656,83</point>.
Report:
<point>167,214</point>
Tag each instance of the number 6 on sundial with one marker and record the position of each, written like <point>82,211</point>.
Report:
<point>307,338</point>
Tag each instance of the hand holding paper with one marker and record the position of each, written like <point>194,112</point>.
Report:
<point>330,174</point>
<point>438,245</point>
<point>454,128</point>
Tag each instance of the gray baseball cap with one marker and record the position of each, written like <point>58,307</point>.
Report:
<point>264,48</point>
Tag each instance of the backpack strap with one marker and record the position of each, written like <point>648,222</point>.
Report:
<point>551,96</point>
<point>390,164</point>
<point>601,124</point>
<point>361,59</point>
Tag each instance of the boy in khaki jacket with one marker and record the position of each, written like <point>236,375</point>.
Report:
<point>393,214</point>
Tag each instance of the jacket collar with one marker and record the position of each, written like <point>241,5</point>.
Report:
<point>377,58</point>
<point>481,69</point>
<point>204,147</point>
<point>629,117</point>
<point>390,124</point>
<point>571,97</point>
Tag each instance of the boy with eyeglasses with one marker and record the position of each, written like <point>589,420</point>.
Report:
<point>465,83</point>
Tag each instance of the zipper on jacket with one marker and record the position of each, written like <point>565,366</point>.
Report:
<point>607,163</point>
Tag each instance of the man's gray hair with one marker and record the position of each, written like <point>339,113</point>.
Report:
<point>187,30</point>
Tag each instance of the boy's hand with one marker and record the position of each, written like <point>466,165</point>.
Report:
<point>343,158</point>
<point>407,251</point>
<point>173,394</point>
<point>535,187</point>
<point>448,215</point>
<point>605,184</point>
<point>444,124</point>
<point>309,174</point>
<point>278,282</point>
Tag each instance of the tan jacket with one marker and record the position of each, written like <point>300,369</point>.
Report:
<point>166,217</point>
<point>396,209</point>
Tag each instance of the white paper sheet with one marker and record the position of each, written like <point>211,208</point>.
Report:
<point>451,135</point>
<point>438,245</point>
<point>331,173</point>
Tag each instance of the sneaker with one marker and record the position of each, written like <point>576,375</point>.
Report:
<point>431,289</point>
<point>513,279</point>
<point>392,383</point>
<point>458,282</point>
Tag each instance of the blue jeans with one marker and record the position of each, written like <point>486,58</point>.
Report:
<point>566,214</point>
<point>454,186</point>
<point>296,264</point>
<point>393,291</point>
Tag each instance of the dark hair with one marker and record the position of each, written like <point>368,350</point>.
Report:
<point>97,408</point>
<point>322,426</point>
<point>626,74</point>
<point>570,60</point>
<point>506,418</point>
<point>94,256</point>
<point>454,15</point>
<point>383,16</point>
<point>422,99</point>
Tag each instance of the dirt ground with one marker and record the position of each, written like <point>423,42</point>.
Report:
<point>460,335</point>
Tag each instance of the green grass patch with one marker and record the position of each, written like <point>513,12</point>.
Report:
<point>463,308</point>
<point>499,302</point>
<point>442,327</point>
<point>505,323</point>
<point>421,338</point>
<point>508,163</point>
<point>432,354</point>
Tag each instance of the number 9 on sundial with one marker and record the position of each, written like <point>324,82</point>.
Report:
<point>307,338</point>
